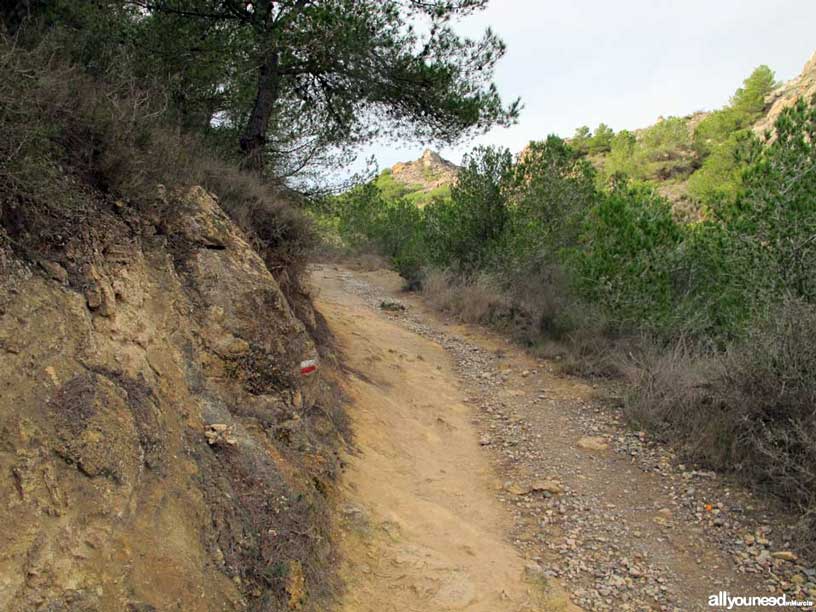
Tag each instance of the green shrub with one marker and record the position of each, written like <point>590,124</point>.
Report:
<point>580,140</point>
<point>666,149</point>
<point>776,215</point>
<point>550,191</point>
<point>585,141</point>
<point>626,254</point>
<point>719,179</point>
<point>749,100</point>
<point>716,129</point>
<point>622,159</point>
<point>465,232</point>
<point>601,141</point>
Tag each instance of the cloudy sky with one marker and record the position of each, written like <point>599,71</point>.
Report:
<point>626,62</point>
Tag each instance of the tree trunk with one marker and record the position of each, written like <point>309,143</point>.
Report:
<point>253,139</point>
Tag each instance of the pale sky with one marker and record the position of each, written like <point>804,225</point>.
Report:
<point>627,62</point>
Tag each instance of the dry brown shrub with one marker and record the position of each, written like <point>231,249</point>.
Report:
<point>477,300</point>
<point>438,289</point>
<point>748,410</point>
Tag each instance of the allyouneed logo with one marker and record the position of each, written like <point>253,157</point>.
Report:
<point>724,600</point>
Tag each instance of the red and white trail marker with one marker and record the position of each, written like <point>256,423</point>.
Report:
<point>308,366</point>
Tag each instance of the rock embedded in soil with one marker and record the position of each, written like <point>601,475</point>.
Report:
<point>592,443</point>
<point>547,486</point>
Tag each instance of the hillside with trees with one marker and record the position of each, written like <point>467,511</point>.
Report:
<point>419,181</point>
<point>695,160</point>
<point>572,248</point>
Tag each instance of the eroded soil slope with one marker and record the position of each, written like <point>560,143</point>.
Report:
<point>158,449</point>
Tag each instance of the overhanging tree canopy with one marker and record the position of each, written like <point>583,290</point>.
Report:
<point>314,74</point>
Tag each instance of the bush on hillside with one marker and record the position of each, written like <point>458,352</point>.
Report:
<point>660,152</point>
<point>719,179</point>
<point>601,141</point>
<point>584,141</point>
<point>749,100</point>
<point>748,411</point>
<point>622,159</point>
<point>626,254</point>
<point>580,139</point>
<point>666,148</point>
<point>716,129</point>
<point>64,131</point>
<point>722,137</point>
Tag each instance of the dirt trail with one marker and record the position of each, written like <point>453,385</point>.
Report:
<point>423,530</point>
<point>470,492</point>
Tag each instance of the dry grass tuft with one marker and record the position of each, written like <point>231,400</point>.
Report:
<point>479,300</point>
<point>749,410</point>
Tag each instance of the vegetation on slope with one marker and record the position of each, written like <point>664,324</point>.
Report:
<point>601,271</point>
<point>701,157</point>
<point>416,193</point>
<point>696,161</point>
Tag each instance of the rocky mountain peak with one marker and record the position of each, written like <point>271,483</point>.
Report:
<point>431,170</point>
<point>430,158</point>
<point>787,94</point>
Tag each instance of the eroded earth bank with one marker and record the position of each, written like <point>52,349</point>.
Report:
<point>158,447</point>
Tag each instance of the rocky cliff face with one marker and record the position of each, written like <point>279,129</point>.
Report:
<point>159,448</point>
<point>803,86</point>
<point>428,172</point>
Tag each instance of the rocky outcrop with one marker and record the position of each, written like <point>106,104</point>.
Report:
<point>427,173</point>
<point>803,86</point>
<point>128,340</point>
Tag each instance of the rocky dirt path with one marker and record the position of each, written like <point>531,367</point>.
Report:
<point>485,481</point>
<point>421,528</point>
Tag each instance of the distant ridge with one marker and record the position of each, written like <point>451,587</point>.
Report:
<point>784,96</point>
<point>420,181</point>
<point>429,171</point>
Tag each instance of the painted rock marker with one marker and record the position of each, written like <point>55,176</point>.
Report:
<point>307,367</point>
